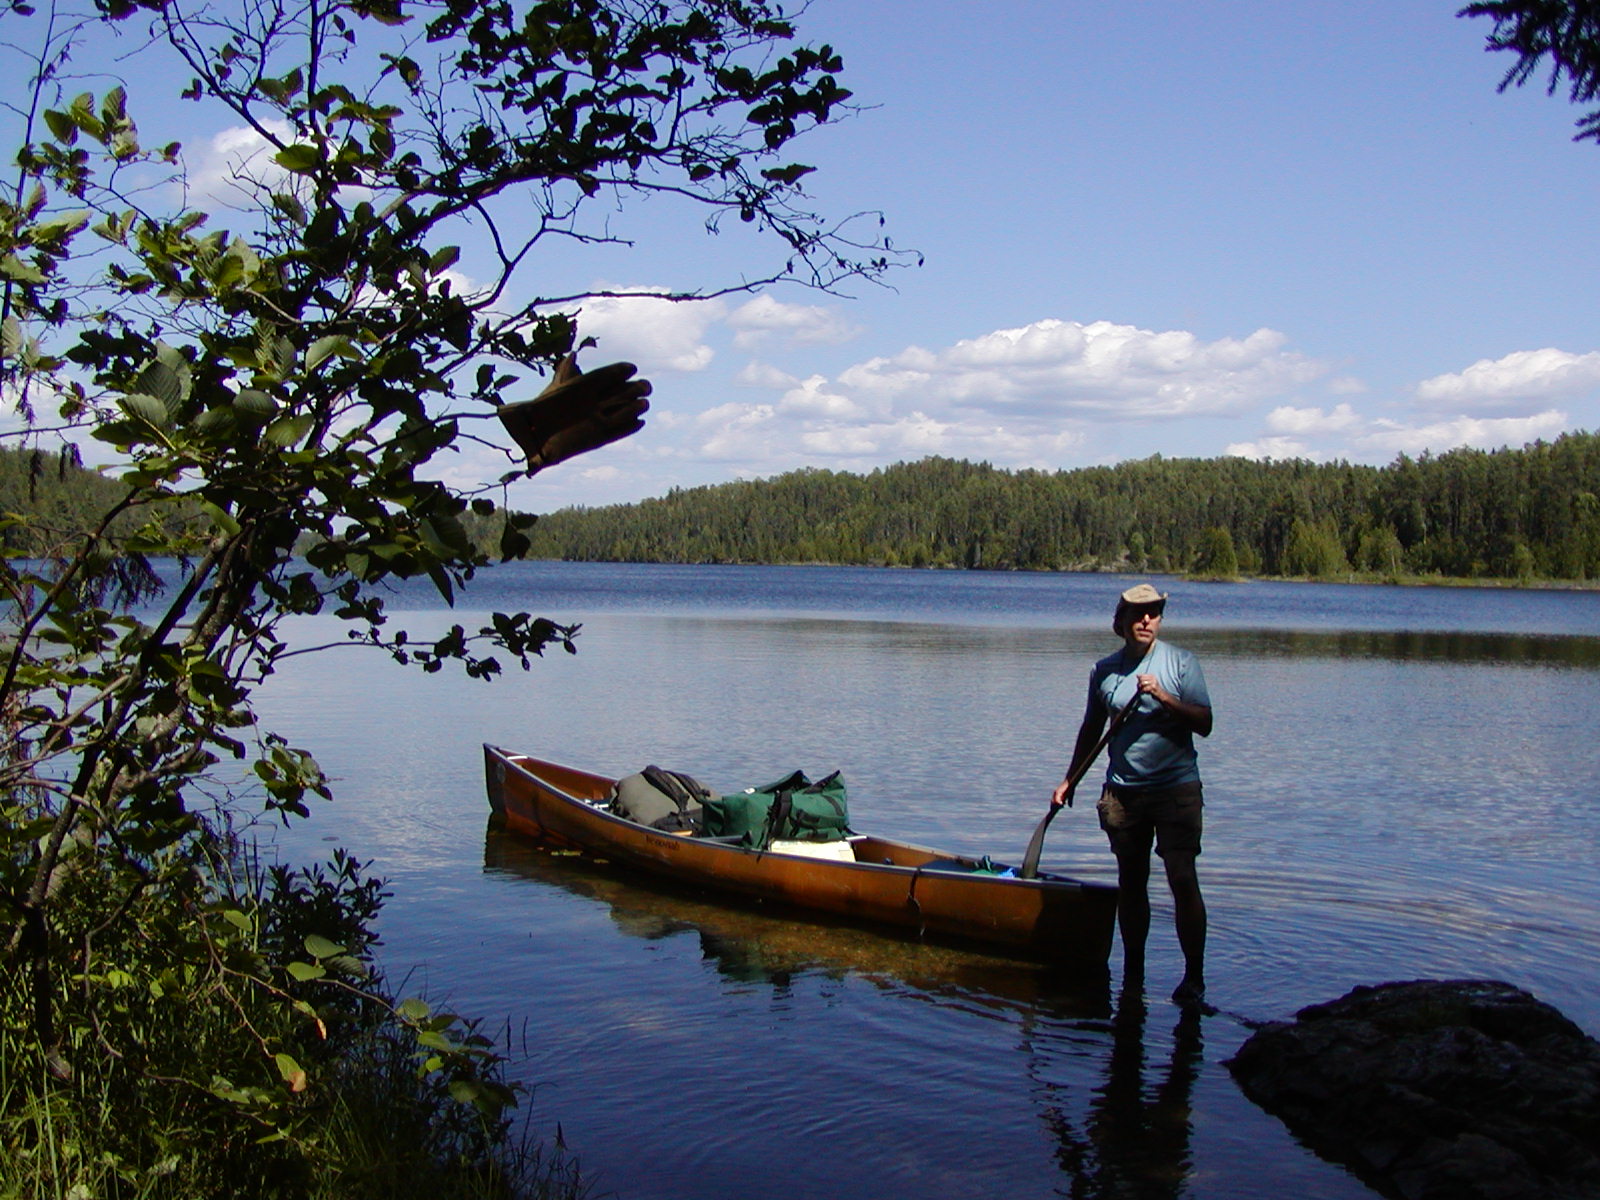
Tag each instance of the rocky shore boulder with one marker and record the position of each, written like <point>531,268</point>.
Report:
<point>1437,1090</point>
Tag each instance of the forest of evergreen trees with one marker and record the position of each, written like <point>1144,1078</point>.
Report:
<point>1518,515</point>
<point>48,501</point>
<point>1525,514</point>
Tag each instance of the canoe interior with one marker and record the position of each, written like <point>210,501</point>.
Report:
<point>596,790</point>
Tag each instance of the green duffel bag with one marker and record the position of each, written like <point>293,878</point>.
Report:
<point>789,809</point>
<point>735,815</point>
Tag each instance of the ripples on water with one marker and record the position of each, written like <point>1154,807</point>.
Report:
<point>1401,784</point>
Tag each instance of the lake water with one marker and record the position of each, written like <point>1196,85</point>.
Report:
<point>1402,783</point>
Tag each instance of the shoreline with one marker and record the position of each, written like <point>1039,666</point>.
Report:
<point>1351,577</point>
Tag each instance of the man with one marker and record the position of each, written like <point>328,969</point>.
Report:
<point>1152,790</point>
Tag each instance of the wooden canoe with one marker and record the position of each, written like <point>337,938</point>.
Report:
<point>893,885</point>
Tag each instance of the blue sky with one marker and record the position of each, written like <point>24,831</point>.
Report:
<point>1188,228</point>
<point>1297,230</point>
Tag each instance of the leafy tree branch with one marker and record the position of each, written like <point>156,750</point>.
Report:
<point>278,383</point>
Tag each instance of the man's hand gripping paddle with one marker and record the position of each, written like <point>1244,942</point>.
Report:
<point>1030,860</point>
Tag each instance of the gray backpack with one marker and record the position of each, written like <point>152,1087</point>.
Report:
<point>666,800</point>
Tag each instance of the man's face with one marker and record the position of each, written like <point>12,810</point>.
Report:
<point>1142,626</point>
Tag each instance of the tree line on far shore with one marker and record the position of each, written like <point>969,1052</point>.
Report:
<point>1511,514</point>
<point>49,501</point>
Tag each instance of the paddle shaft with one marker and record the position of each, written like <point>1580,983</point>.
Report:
<point>1030,860</point>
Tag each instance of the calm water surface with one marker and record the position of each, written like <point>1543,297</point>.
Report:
<point>1402,783</point>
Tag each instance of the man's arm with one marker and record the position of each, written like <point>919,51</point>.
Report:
<point>1094,722</point>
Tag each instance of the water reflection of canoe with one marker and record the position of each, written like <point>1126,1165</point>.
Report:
<point>764,944</point>
<point>887,884</point>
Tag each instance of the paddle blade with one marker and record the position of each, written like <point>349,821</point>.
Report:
<point>1030,860</point>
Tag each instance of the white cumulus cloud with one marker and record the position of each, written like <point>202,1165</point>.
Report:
<point>1279,448</point>
<point>1320,436</point>
<point>1521,382</point>
<point>764,375</point>
<point>1287,419</point>
<point>764,319</point>
<point>813,398</point>
<point>656,333</point>
<point>229,167</point>
<point>1023,397</point>
<point>1483,433</point>
<point>1097,371</point>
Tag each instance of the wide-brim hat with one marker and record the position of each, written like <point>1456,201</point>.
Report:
<point>1142,594</point>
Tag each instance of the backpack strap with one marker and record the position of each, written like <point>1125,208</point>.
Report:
<point>697,792</point>
<point>780,817</point>
<point>671,784</point>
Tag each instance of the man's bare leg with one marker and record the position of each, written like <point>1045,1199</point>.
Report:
<point>1189,913</point>
<point>1133,912</point>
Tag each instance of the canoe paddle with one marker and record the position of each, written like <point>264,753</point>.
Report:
<point>1030,860</point>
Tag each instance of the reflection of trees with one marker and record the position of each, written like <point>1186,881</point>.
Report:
<point>1134,1141</point>
<point>1400,645</point>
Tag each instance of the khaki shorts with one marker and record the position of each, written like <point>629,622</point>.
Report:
<point>1169,817</point>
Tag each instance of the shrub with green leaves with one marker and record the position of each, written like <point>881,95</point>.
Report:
<point>277,391</point>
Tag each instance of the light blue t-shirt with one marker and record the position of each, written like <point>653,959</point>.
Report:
<point>1153,748</point>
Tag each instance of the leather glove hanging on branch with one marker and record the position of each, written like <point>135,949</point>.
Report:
<point>577,412</point>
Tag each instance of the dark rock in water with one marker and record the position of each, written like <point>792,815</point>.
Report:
<point>1438,1090</point>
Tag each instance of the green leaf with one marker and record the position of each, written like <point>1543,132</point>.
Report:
<point>291,1071</point>
<point>221,518</point>
<point>514,543</point>
<point>445,536</point>
<point>289,430</point>
<point>299,158</point>
<point>320,947</point>
<point>290,207</point>
<point>60,226</point>
<point>254,408</point>
<point>306,972</point>
<point>12,267</point>
<point>323,348</point>
<point>146,408</point>
<point>62,127</point>
<point>165,384</point>
<point>238,920</point>
<point>216,420</point>
<point>83,115</point>
<point>442,582</point>
<point>114,105</point>
<point>413,1009</point>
